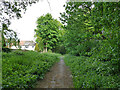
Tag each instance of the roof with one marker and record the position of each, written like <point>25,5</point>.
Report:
<point>28,43</point>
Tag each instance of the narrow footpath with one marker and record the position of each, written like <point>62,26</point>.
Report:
<point>58,77</point>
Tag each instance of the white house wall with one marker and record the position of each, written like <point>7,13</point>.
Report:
<point>24,48</point>
<point>13,47</point>
<point>29,48</point>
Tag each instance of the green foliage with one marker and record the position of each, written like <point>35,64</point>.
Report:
<point>6,49</point>
<point>78,28</point>
<point>8,11</point>
<point>39,44</point>
<point>48,30</point>
<point>50,51</point>
<point>89,27</point>
<point>92,32</point>
<point>9,37</point>
<point>21,69</point>
<point>37,47</point>
<point>91,73</point>
<point>60,48</point>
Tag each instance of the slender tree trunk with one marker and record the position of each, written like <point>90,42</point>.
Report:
<point>46,47</point>
<point>3,39</point>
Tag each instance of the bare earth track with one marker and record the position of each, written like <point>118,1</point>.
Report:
<point>58,77</point>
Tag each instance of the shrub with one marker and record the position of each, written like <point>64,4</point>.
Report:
<point>88,72</point>
<point>22,69</point>
<point>4,49</point>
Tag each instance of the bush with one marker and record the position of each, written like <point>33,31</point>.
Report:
<point>4,49</point>
<point>90,73</point>
<point>22,69</point>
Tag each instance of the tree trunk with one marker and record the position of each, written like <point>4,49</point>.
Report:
<point>3,40</point>
<point>46,47</point>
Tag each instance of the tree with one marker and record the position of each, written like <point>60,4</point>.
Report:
<point>93,29</point>
<point>86,25</point>
<point>78,27</point>
<point>39,44</point>
<point>9,37</point>
<point>37,48</point>
<point>48,29</point>
<point>9,10</point>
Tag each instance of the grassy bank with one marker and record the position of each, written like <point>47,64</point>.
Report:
<point>90,73</point>
<point>22,69</point>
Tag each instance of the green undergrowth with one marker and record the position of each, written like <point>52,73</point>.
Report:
<point>88,72</point>
<point>21,69</point>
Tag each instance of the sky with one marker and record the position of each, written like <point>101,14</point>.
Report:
<point>25,26</point>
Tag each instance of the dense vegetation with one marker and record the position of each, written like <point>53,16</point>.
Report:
<point>92,28</point>
<point>91,73</point>
<point>92,32</point>
<point>48,33</point>
<point>21,69</point>
<point>90,36</point>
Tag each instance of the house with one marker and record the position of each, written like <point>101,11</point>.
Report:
<point>25,45</point>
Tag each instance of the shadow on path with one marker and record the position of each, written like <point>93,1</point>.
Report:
<point>58,77</point>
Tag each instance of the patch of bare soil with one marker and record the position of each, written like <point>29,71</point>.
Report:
<point>58,77</point>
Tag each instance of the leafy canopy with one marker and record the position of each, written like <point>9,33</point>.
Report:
<point>9,10</point>
<point>49,30</point>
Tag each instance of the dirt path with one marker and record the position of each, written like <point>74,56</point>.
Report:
<point>58,77</point>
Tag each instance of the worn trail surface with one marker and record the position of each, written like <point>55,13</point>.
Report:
<point>58,77</point>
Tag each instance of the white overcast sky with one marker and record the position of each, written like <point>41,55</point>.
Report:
<point>25,26</point>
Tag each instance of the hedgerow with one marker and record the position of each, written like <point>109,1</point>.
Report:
<point>88,72</point>
<point>22,69</point>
